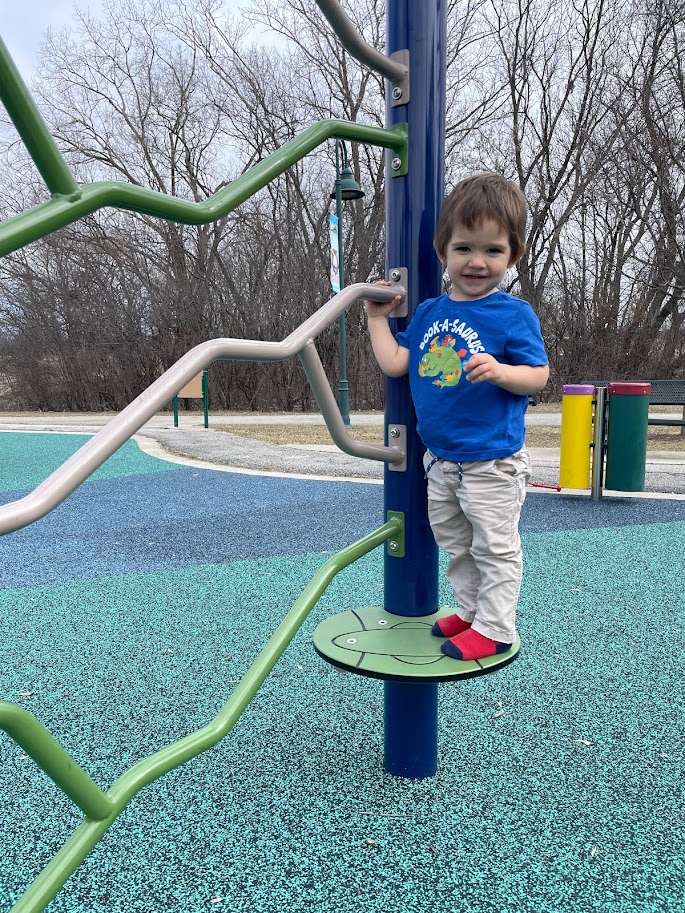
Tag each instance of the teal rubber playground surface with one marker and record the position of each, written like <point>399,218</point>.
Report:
<point>129,613</point>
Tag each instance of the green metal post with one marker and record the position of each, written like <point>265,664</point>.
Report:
<point>46,751</point>
<point>205,396</point>
<point>33,130</point>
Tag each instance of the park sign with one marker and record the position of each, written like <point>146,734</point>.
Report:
<point>335,261</point>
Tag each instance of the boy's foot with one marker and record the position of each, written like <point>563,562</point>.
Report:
<point>450,626</point>
<point>472,645</point>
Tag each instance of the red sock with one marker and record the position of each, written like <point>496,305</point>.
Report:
<point>450,626</point>
<point>472,645</point>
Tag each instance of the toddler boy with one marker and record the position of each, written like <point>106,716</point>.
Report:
<point>473,356</point>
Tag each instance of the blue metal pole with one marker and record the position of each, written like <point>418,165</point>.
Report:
<point>411,750</point>
<point>412,207</point>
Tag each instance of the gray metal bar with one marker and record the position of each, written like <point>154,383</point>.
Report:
<point>353,42</point>
<point>598,444</point>
<point>85,461</point>
<point>331,413</point>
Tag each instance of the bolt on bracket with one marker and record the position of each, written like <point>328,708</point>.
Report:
<point>395,546</point>
<point>399,275</point>
<point>399,94</point>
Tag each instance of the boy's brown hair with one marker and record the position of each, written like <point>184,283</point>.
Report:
<point>480,197</point>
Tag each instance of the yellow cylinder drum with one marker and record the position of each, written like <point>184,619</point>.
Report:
<point>575,459</point>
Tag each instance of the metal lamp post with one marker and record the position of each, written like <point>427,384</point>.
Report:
<point>346,188</point>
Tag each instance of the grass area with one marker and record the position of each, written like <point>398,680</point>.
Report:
<point>318,434</point>
<point>666,439</point>
<point>536,436</point>
<point>300,434</point>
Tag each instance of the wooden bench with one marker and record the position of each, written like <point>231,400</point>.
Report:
<point>664,393</point>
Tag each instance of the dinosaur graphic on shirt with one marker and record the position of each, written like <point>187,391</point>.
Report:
<point>442,362</point>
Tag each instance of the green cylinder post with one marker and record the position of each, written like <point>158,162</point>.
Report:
<point>627,436</point>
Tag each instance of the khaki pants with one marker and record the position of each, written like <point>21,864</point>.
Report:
<point>474,511</point>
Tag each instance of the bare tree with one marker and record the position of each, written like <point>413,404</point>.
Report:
<point>268,96</point>
<point>167,96</point>
<point>581,104</point>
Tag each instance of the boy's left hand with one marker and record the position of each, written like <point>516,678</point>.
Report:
<point>482,367</point>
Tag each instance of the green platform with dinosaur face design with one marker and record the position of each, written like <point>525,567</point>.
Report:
<point>376,643</point>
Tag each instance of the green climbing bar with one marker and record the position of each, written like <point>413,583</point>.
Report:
<point>65,862</point>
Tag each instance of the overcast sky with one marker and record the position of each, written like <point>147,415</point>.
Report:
<point>23,25</point>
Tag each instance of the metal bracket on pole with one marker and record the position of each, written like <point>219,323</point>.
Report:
<point>399,94</point>
<point>400,276</point>
<point>397,437</point>
<point>395,546</point>
<point>398,158</point>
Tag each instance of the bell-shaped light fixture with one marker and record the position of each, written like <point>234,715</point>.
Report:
<point>349,188</point>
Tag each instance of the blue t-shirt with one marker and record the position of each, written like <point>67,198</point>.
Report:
<point>458,420</point>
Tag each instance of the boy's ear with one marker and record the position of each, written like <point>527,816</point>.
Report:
<point>516,258</point>
<point>441,256</point>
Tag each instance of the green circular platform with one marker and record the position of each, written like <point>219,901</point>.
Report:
<point>376,643</point>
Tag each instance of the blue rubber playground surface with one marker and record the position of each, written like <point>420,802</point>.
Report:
<point>129,613</point>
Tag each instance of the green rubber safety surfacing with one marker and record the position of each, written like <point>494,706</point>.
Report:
<point>376,643</point>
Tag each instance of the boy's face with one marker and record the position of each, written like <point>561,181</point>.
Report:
<point>476,260</point>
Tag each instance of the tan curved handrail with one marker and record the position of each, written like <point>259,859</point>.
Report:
<point>64,480</point>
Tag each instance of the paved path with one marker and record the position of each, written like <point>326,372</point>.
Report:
<point>665,473</point>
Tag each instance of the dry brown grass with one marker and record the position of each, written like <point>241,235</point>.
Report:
<point>300,434</point>
<point>536,435</point>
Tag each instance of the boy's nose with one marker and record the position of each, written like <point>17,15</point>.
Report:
<point>476,259</point>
